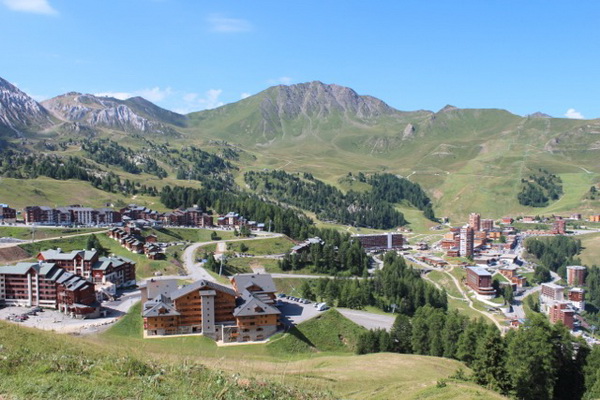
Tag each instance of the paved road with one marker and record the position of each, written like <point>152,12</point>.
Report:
<point>195,269</point>
<point>518,311</point>
<point>367,319</point>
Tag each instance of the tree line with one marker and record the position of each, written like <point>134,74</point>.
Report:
<point>327,201</point>
<point>554,254</point>
<point>539,189</point>
<point>396,286</point>
<point>283,220</point>
<point>537,361</point>
<point>393,189</point>
<point>338,253</point>
<point>108,152</point>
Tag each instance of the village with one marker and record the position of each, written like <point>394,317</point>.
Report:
<point>82,284</point>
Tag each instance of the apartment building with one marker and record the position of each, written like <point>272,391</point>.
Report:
<point>243,313</point>
<point>47,285</point>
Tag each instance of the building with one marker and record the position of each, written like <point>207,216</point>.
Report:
<point>305,246</point>
<point>552,291</point>
<point>71,215</point>
<point>513,276</point>
<point>576,275</point>
<point>577,298</point>
<point>559,226</point>
<point>466,241</point>
<point>487,224</point>
<point>192,216</point>
<point>381,241</point>
<point>507,220</point>
<point>260,285</point>
<point>135,212</point>
<point>594,218</point>
<point>7,215</point>
<point>480,280</point>
<point>48,285</point>
<point>88,264</point>
<point>475,221</point>
<point>243,313</point>
<point>562,311</point>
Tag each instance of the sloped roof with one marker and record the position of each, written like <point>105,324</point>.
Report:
<point>264,281</point>
<point>252,305</point>
<point>155,310</point>
<point>198,285</point>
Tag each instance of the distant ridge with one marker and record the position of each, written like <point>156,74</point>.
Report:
<point>132,115</point>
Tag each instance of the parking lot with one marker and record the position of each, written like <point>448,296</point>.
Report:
<point>294,312</point>
<point>52,320</point>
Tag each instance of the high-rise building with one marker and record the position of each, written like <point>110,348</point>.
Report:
<point>475,221</point>
<point>466,241</point>
<point>575,275</point>
<point>487,224</point>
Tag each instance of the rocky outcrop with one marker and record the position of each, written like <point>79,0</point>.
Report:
<point>108,112</point>
<point>316,99</point>
<point>19,112</point>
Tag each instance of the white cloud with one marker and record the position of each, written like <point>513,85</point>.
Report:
<point>155,94</point>
<point>245,95</point>
<point>116,95</point>
<point>282,80</point>
<point>574,114</point>
<point>196,102</point>
<point>221,24</point>
<point>31,6</point>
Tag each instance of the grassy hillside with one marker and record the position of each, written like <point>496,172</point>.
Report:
<point>329,331</point>
<point>336,370</point>
<point>468,160</point>
<point>42,365</point>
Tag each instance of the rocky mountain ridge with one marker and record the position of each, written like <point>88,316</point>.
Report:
<point>20,113</point>
<point>131,115</point>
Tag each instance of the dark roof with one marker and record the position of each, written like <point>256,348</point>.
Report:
<point>197,286</point>
<point>252,305</point>
<point>152,307</point>
<point>264,281</point>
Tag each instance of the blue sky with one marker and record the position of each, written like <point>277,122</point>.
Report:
<point>188,55</point>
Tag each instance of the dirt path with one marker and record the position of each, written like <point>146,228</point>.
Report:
<point>469,301</point>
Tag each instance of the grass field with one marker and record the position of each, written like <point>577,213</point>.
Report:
<point>444,281</point>
<point>43,365</point>
<point>289,286</point>
<point>186,234</point>
<point>28,233</point>
<point>260,247</point>
<point>329,331</point>
<point>590,255</point>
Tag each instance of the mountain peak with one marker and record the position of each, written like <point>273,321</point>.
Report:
<point>19,112</point>
<point>320,99</point>
<point>539,114</point>
<point>135,114</point>
<point>448,108</point>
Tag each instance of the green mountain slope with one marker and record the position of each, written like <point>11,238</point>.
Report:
<point>466,159</point>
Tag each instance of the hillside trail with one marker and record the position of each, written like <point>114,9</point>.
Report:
<point>469,301</point>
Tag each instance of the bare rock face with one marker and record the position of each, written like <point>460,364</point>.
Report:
<point>409,131</point>
<point>108,112</point>
<point>316,99</point>
<point>19,112</point>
